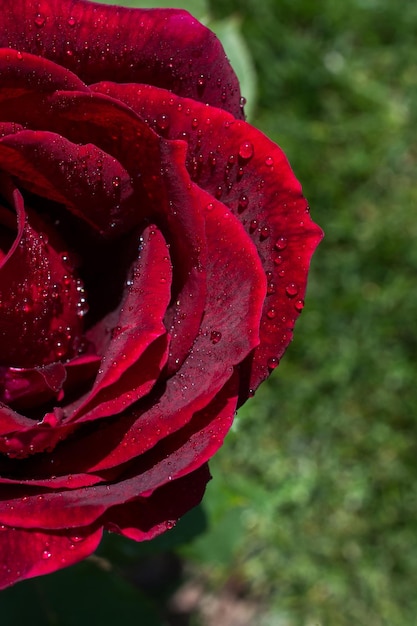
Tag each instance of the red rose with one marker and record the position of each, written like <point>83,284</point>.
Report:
<point>154,251</point>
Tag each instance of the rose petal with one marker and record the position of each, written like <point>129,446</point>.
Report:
<point>145,518</point>
<point>176,456</point>
<point>137,351</point>
<point>22,73</point>
<point>39,319</point>
<point>28,553</point>
<point>86,180</point>
<point>168,48</point>
<point>234,161</point>
<point>228,333</point>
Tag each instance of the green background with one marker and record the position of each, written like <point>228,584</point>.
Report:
<point>311,515</point>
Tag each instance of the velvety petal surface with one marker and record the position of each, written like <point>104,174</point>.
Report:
<point>145,518</point>
<point>239,165</point>
<point>40,316</point>
<point>27,553</point>
<point>163,47</point>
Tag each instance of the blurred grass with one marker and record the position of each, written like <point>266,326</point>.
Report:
<point>314,500</point>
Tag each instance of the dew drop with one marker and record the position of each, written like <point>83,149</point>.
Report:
<point>243,202</point>
<point>291,290</point>
<point>253,225</point>
<point>264,232</point>
<point>281,243</point>
<point>163,122</point>
<point>278,260</point>
<point>210,206</point>
<point>46,555</point>
<point>271,314</point>
<point>273,362</point>
<point>212,159</point>
<point>19,55</point>
<point>269,161</point>
<point>201,82</point>
<point>215,336</point>
<point>116,182</point>
<point>40,20</point>
<point>71,21</point>
<point>299,305</point>
<point>246,150</point>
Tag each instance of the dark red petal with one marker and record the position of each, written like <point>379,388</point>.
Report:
<point>28,553</point>
<point>229,331</point>
<point>39,309</point>
<point>237,163</point>
<point>9,128</point>
<point>22,72</point>
<point>137,346</point>
<point>10,421</point>
<point>30,387</point>
<point>145,518</point>
<point>87,181</point>
<point>176,456</point>
<point>163,188</point>
<point>167,48</point>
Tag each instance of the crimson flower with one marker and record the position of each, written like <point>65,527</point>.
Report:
<point>154,250</point>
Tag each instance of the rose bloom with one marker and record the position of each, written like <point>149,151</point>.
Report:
<point>154,250</point>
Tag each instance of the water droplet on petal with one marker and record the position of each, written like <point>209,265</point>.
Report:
<point>116,182</point>
<point>201,82</point>
<point>281,243</point>
<point>273,362</point>
<point>265,232</point>
<point>40,20</point>
<point>243,202</point>
<point>163,121</point>
<point>215,336</point>
<point>19,55</point>
<point>271,314</point>
<point>246,150</point>
<point>299,305</point>
<point>46,555</point>
<point>71,21</point>
<point>291,290</point>
<point>269,161</point>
